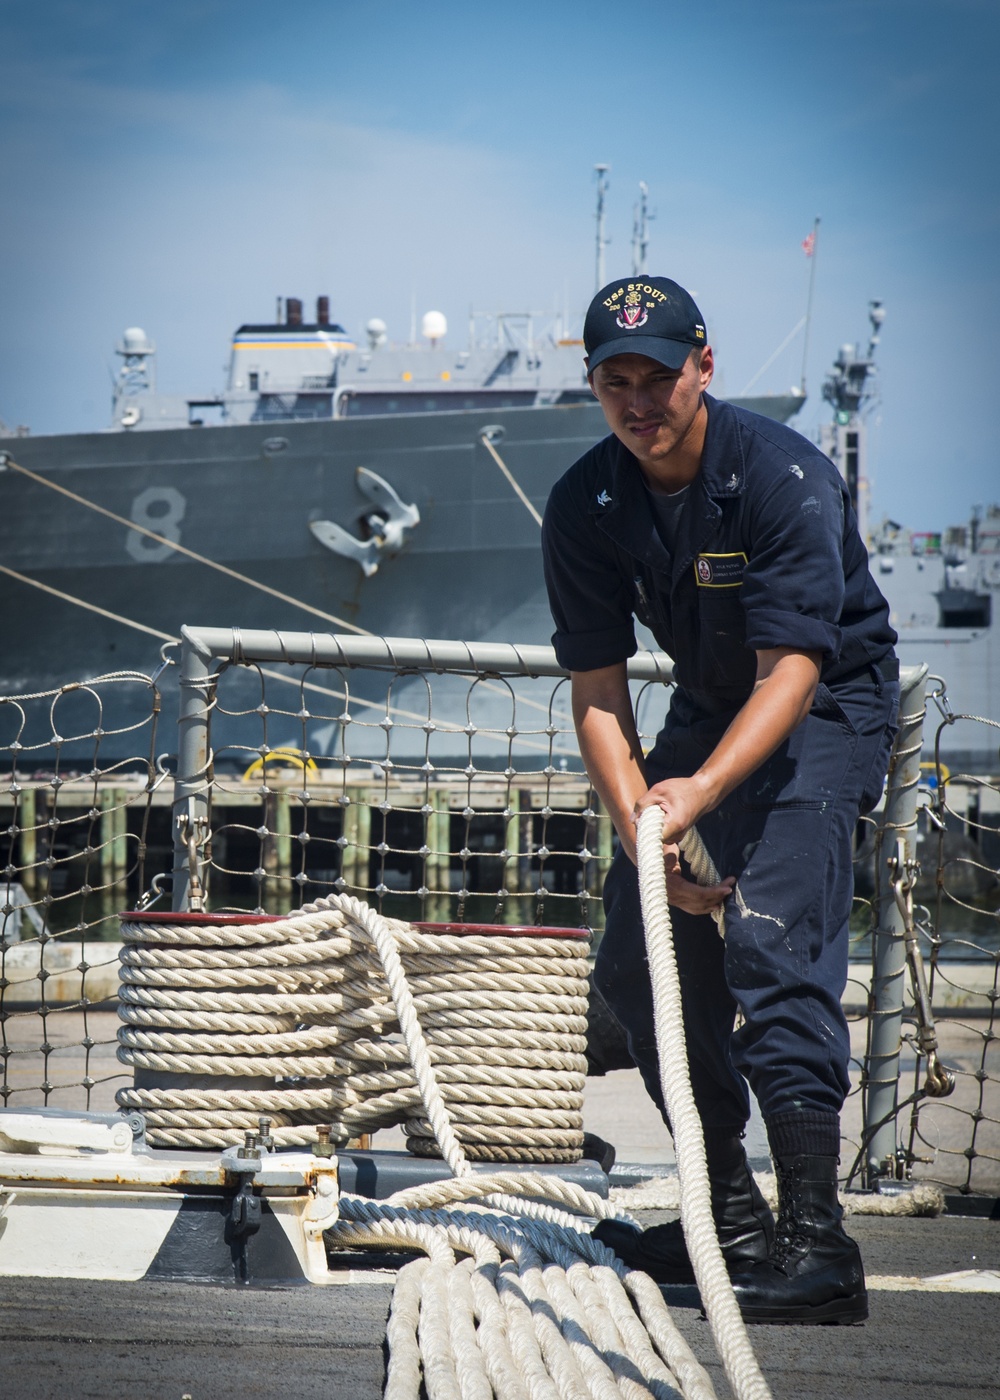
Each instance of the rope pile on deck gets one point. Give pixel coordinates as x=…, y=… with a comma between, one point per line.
x=536, y=1309
x=539, y=1308
x=294, y=1019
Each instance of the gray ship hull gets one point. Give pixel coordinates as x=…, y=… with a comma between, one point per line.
x=244, y=497
x=966, y=659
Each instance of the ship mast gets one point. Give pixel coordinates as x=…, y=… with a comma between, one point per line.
x=811, y=245
x=640, y=231
x=602, y=241
x=851, y=388
x=135, y=377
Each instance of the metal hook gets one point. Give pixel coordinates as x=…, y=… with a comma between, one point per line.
x=903, y=870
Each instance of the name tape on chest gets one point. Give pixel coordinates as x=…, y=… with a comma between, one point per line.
x=719, y=570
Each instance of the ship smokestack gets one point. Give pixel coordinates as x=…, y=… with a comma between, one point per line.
x=293, y=311
x=322, y=311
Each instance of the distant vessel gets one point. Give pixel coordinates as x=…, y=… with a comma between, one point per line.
x=392, y=489
x=941, y=586
x=943, y=589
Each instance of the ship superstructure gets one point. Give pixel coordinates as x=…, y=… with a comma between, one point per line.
x=942, y=586
x=292, y=370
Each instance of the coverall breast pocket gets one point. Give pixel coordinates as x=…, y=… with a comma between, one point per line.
x=723, y=630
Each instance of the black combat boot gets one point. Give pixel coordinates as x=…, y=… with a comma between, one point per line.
x=813, y=1272
x=744, y=1223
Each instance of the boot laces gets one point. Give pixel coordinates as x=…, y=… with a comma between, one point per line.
x=791, y=1238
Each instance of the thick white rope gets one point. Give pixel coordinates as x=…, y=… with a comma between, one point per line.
x=539, y=1310
x=540, y=1292
x=695, y=852
x=689, y=1143
x=663, y=1193
x=298, y=1019
x=575, y=1319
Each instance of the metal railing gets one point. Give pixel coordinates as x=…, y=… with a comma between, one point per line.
x=442, y=781
x=432, y=777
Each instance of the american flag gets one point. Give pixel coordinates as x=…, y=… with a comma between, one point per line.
x=809, y=244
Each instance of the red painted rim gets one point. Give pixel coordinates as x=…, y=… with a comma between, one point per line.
x=166, y=916
x=505, y=930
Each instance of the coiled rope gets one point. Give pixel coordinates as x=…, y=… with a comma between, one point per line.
x=537, y=1309
x=309, y=1019
x=547, y=1311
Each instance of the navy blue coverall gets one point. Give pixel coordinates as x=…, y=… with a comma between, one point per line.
x=767, y=554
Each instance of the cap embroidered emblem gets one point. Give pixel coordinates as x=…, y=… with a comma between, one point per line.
x=604, y=499
x=632, y=315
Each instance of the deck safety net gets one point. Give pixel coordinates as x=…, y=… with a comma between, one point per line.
x=452, y=791
x=954, y=1137
x=78, y=777
x=435, y=796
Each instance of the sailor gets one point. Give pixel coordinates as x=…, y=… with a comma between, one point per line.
x=733, y=539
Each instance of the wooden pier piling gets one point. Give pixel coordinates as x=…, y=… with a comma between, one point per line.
x=25, y=814
x=357, y=834
x=113, y=835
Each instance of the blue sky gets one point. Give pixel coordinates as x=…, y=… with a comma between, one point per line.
x=179, y=165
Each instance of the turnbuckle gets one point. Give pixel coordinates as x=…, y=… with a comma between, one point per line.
x=194, y=832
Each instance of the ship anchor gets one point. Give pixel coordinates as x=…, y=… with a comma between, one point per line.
x=388, y=524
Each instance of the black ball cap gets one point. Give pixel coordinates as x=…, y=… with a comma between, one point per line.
x=643, y=316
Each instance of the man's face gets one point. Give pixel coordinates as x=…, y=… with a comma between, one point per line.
x=652, y=409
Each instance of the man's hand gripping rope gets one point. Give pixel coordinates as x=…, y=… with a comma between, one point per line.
x=682, y=803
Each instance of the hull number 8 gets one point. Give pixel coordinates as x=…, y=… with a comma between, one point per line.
x=159, y=508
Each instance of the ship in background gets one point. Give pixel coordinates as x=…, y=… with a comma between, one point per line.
x=389, y=489
x=942, y=586
x=379, y=488
x=368, y=481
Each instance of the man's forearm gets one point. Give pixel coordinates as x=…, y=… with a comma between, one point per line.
x=609, y=744
x=780, y=701
x=778, y=704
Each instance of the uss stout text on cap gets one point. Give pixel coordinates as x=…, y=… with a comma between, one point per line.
x=650, y=316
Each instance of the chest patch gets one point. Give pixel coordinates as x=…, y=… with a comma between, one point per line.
x=719, y=570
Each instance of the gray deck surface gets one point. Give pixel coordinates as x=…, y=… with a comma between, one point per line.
x=72, y=1340
x=82, y=1340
